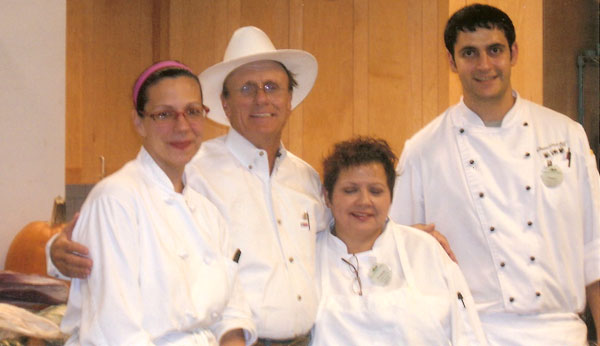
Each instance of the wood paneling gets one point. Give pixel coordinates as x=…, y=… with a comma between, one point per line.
x=293, y=138
x=395, y=69
x=527, y=75
x=328, y=110
x=383, y=69
x=108, y=44
x=570, y=28
x=360, y=61
x=196, y=37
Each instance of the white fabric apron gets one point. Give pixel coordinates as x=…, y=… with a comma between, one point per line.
x=549, y=329
x=400, y=317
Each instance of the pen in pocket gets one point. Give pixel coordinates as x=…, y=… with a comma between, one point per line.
x=236, y=256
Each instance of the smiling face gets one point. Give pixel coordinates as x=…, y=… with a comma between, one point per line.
x=483, y=61
x=171, y=144
x=261, y=115
x=359, y=203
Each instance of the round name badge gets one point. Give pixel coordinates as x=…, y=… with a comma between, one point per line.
x=552, y=176
x=380, y=274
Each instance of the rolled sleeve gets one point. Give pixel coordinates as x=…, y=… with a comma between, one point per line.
x=236, y=315
x=51, y=269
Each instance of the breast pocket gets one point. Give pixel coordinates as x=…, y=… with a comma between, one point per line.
x=303, y=219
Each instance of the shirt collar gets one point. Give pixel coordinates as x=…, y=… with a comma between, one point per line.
x=245, y=151
x=340, y=249
x=158, y=178
x=465, y=117
x=153, y=172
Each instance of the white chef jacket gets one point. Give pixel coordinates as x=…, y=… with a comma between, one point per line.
x=419, y=306
x=163, y=270
x=527, y=249
x=273, y=219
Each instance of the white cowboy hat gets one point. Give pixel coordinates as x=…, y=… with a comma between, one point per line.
x=249, y=44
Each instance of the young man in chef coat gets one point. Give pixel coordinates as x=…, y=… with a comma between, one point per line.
x=514, y=188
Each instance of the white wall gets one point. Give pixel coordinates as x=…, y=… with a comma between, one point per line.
x=32, y=112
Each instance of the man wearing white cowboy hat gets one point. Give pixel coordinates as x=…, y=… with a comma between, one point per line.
x=270, y=198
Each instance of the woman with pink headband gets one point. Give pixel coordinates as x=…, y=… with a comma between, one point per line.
x=164, y=273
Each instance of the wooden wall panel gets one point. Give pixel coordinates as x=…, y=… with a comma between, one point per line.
x=395, y=70
x=160, y=29
x=73, y=98
x=293, y=137
x=360, y=66
x=443, y=67
x=272, y=16
x=328, y=111
x=570, y=27
x=527, y=75
x=454, y=90
x=382, y=66
x=196, y=34
x=432, y=54
x=108, y=44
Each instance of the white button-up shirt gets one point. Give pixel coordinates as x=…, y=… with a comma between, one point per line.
x=273, y=219
x=525, y=247
x=163, y=272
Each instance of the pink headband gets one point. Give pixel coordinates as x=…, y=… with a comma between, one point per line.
x=150, y=70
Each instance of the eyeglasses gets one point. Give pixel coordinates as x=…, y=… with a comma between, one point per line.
x=169, y=116
x=357, y=284
x=250, y=90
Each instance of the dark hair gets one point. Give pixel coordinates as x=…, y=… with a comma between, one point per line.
x=169, y=72
x=292, y=83
x=475, y=16
x=356, y=152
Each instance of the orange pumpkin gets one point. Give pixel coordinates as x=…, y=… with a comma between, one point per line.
x=26, y=253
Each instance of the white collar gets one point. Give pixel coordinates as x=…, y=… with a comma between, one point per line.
x=246, y=152
x=152, y=171
x=466, y=118
x=340, y=249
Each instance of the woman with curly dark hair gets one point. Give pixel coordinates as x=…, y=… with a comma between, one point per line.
x=382, y=283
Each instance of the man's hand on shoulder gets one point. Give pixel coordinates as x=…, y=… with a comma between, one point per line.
x=69, y=257
x=430, y=228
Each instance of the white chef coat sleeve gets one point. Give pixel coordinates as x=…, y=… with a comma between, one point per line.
x=324, y=216
x=407, y=205
x=51, y=269
x=591, y=205
x=466, y=326
x=111, y=301
x=237, y=314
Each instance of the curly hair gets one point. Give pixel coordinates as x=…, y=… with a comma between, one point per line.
x=356, y=152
